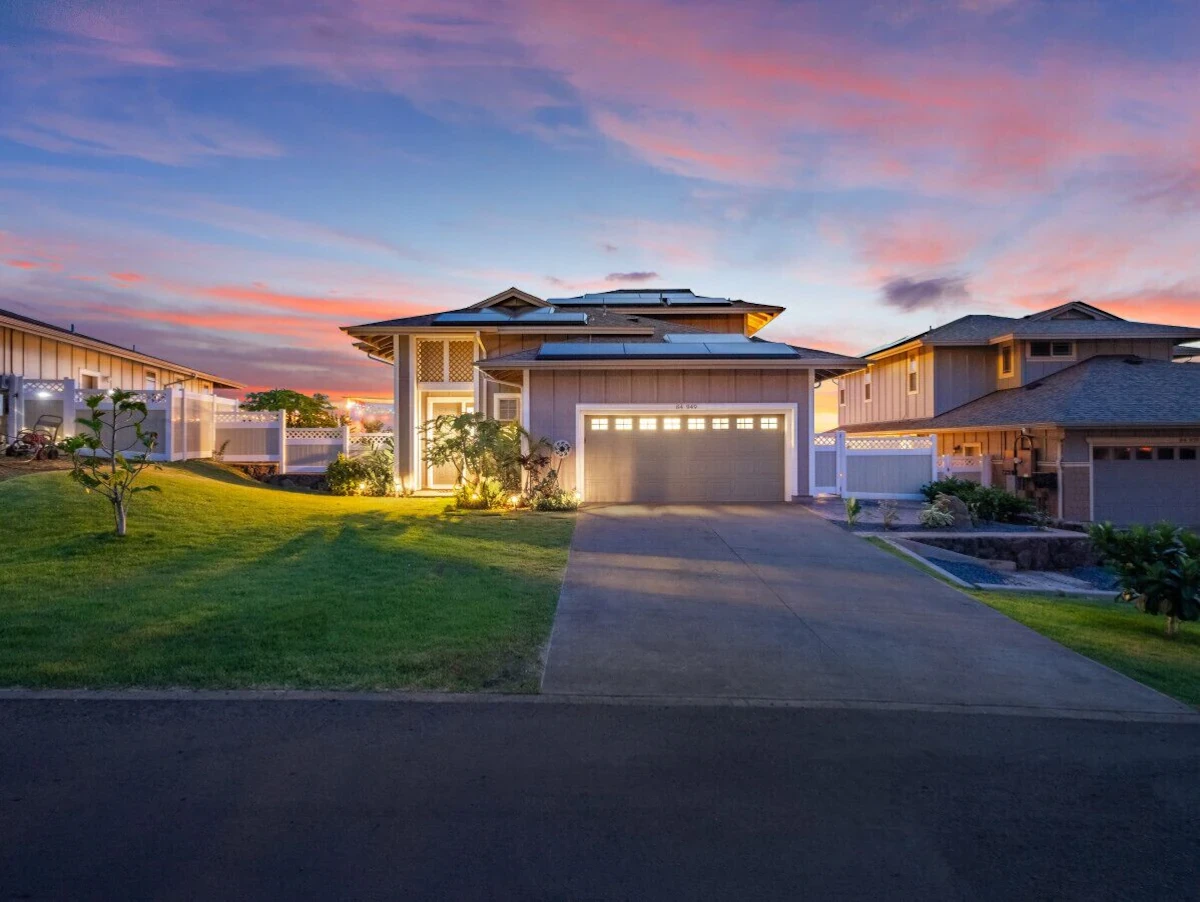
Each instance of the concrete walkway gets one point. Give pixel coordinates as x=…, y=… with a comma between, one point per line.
x=772, y=602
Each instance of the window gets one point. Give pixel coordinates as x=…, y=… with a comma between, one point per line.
x=745, y=422
x=599, y=424
x=1187, y=453
x=914, y=382
x=89, y=379
x=1122, y=453
x=1099, y=453
x=841, y=396
x=1164, y=453
x=972, y=449
x=623, y=424
x=1047, y=350
x=696, y=423
x=151, y=380
x=648, y=424
x=1006, y=360
x=670, y=423
x=867, y=386
x=507, y=408
x=720, y=423
x=769, y=422
x=1144, y=454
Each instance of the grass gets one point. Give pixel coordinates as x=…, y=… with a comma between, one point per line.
x=223, y=582
x=1114, y=633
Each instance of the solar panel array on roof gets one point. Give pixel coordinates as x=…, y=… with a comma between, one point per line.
x=675, y=297
x=553, y=316
x=692, y=300
x=471, y=318
x=567, y=350
x=609, y=300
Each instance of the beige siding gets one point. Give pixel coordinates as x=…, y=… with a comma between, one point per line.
x=38, y=357
x=962, y=375
x=722, y=322
x=890, y=398
x=554, y=395
x=1154, y=349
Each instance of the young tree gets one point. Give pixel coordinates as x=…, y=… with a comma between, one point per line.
x=302, y=410
x=107, y=469
x=477, y=446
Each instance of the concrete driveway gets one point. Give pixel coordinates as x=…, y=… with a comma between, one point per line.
x=772, y=602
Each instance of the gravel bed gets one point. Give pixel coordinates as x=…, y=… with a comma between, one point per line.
x=972, y=573
x=1098, y=577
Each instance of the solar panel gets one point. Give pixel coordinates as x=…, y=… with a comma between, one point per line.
x=654, y=349
x=691, y=300
x=471, y=318
x=705, y=337
x=579, y=349
x=691, y=350
x=598, y=299
x=754, y=349
x=553, y=316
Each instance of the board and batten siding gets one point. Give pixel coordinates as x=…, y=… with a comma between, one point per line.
x=963, y=374
x=34, y=356
x=554, y=394
x=1152, y=349
x=890, y=398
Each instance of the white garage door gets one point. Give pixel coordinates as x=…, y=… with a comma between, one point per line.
x=698, y=458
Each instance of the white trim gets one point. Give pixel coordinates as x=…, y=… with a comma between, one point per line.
x=789, y=411
x=418, y=475
x=102, y=381
x=397, y=466
x=525, y=400
x=812, y=434
x=912, y=367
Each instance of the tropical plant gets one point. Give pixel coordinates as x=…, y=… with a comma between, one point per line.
x=545, y=493
x=1157, y=568
x=106, y=468
x=483, y=494
x=315, y=411
x=372, y=426
x=853, y=510
x=367, y=474
x=889, y=513
x=478, y=448
x=935, y=516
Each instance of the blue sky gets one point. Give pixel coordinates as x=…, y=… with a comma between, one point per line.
x=226, y=183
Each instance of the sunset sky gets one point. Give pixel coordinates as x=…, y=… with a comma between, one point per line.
x=224, y=182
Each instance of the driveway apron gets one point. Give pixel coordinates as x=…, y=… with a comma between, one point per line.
x=772, y=602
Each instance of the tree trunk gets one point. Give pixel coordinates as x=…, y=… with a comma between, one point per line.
x=119, y=511
x=1172, y=626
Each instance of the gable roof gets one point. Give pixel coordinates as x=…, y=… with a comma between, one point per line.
x=984, y=329
x=37, y=326
x=1118, y=390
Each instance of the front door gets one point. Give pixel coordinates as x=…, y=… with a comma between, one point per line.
x=446, y=475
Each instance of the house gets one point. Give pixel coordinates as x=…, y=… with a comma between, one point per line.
x=38, y=360
x=664, y=395
x=1085, y=411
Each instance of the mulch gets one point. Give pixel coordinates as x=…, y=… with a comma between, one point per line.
x=11, y=467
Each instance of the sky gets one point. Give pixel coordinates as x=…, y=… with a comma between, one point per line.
x=225, y=183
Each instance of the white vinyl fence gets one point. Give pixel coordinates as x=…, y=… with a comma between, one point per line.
x=874, y=466
x=263, y=436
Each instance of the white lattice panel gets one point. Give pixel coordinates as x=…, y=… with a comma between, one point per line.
x=246, y=416
x=42, y=385
x=370, y=441
x=890, y=443
x=303, y=433
x=431, y=361
x=824, y=441
x=462, y=361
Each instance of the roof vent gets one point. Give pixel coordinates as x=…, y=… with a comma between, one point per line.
x=1133, y=360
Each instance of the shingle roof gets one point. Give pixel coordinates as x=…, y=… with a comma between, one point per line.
x=983, y=328
x=1111, y=391
x=597, y=319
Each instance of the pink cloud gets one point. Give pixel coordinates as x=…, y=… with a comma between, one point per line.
x=21, y=264
x=127, y=277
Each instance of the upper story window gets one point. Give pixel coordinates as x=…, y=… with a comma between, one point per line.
x=445, y=360
x=151, y=380
x=1006, y=360
x=914, y=376
x=1051, y=350
x=841, y=396
x=867, y=386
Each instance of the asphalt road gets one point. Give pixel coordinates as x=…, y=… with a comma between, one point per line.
x=520, y=800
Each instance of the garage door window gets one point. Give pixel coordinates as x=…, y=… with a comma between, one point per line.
x=720, y=422
x=1144, y=452
x=648, y=424
x=670, y=423
x=600, y=424
x=695, y=423
x=1187, y=453
x=745, y=422
x=769, y=422
x=623, y=424
x=1165, y=454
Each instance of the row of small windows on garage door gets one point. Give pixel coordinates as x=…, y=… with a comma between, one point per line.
x=1143, y=452
x=669, y=424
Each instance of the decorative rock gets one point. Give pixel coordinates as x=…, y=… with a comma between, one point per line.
x=957, y=508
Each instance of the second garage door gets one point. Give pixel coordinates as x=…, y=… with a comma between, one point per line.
x=655, y=458
x=1146, y=484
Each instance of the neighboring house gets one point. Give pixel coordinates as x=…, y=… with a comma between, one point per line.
x=664, y=395
x=34, y=351
x=1085, y=411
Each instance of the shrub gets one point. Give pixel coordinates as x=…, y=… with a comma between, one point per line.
x=483, y=495
x=853, y=510
x=557, y=500
x=1158, y=568
x=369, y=474
x=984, y=502
x=935, y=516
x=889, y=513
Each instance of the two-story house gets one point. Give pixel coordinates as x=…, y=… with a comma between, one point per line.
x=1085, y=411
x=664, y=395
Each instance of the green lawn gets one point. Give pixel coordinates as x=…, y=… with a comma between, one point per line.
x=223, y=582
x=1113, y=633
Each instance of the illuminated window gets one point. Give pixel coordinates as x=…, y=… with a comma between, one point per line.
x=623, y=424
x=1006, y=361
x=769, y=422
x=745, y=422
x=913, y=379
x=599, y=424
x=649, y=424
x=720, y=422
x=695, y=423
x=867, y=386
x=670, y=423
